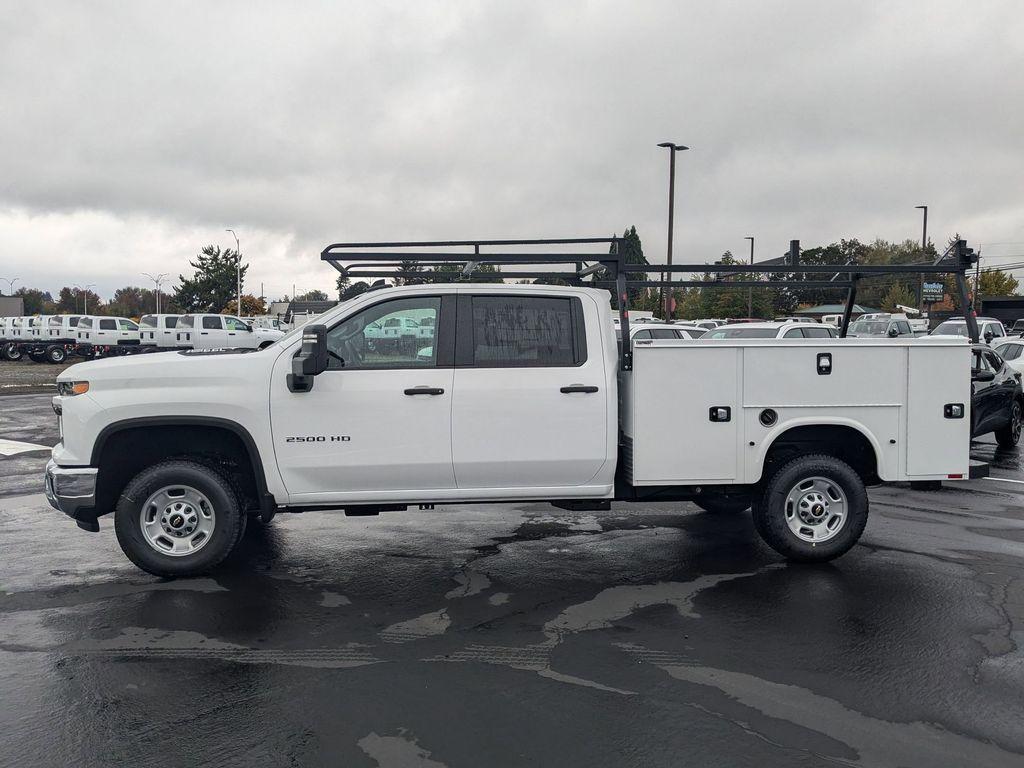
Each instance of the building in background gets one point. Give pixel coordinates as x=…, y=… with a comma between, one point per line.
x=12, y=306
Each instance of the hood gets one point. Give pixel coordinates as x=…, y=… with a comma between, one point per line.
x=168, y=370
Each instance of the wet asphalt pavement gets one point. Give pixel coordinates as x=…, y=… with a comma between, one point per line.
x=517, y=635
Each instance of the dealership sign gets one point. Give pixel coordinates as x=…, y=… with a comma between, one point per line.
x=933, y=292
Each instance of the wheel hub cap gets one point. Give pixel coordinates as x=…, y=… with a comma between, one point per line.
x=177, y=520
x=816, y=509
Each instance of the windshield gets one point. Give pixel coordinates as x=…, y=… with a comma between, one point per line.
x=740, y=333
x=950, y=329
x=870, y=327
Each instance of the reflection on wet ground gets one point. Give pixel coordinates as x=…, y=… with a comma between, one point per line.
x=518, y=634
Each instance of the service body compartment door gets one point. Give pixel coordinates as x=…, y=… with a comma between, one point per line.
x=677, y=436
x=937, y=444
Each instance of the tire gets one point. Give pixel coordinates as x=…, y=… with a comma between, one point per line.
x=182, y=500
x=12, y=352
x=813, y=509
x=723, y=504
x=56, y=354
x=37, y=357
x=1009, y=436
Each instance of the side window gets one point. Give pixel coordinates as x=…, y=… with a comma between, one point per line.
x=995, y=362
x=794, y=333
x=73, y=322
x=664, y=333
x=127, y=325
x=1010, y=351
x=817, y=333
x=997, y=330
x=211, y=323
x=981, y=363
x=170, y=322
x=234, y=324
x=527, y=332
x=644, y=334
x=372, y=338
x=903, y=326
x=108, y=325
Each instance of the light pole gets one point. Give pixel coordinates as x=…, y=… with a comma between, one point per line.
x=85, y=297
x=238, y=267
x=10, y=282
x=158, y=281
x=750, y=291
x=666, y=300
x=924, y=244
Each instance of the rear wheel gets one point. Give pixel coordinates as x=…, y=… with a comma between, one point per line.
x=813, y=509
x=37, y=357
x=178, y=518
x=1009, y=436
x=56, y=354
x=11, y=352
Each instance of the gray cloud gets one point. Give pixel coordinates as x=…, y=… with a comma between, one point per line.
x=133, y=133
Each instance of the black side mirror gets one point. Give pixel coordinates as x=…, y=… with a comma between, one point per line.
x=989, y=336
x=982, y=375
x=311, y=360
x=893, y=333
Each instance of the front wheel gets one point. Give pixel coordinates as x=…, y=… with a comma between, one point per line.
x=56, y=354
x=813, y=509
x=178, y=518
x=1009, y=436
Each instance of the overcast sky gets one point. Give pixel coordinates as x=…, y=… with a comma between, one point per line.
x=133, y=133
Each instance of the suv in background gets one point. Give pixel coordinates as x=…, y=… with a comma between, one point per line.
x=881, y=326
x=1018, y=328
x=989, y=329
x=774, y=330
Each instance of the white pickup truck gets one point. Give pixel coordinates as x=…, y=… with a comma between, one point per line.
x=521, y=397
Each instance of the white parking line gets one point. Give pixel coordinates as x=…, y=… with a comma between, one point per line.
x=13, y=447
x=1005, y=480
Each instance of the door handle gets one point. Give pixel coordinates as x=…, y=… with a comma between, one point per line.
x=578, y=388
x=424, y=391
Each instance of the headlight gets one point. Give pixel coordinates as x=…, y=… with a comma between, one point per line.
x=71, y=388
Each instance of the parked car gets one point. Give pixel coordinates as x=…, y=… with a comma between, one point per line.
x=207, y=331
x=795, y=319
x=99, y=336
x=881, y=326
x=989, y=329
x=158, y=332
x=997, y=403
x=772, y=330
x=1011, y=349
x=1018, y=328
x=655, y=330
x=53, y=341
x=525, y=396
x=707, y=323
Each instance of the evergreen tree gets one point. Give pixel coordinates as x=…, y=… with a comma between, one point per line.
x=214, y=283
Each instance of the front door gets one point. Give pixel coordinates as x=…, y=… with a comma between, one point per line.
x=379, y=419
x=531, y=401
x=985, y=397
x=239, y=335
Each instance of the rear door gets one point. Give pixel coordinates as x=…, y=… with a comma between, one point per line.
x=530, y=407
x=210, y=334
x=105, y=332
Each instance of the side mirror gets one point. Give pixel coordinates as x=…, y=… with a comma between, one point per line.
x=248, y=328
x=893, y=333
x=311, y=360
x=982, y=375
x=989, y=336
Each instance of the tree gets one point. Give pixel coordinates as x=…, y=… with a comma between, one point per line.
x=132, y=301
x=897, y=294
x=408, y=273
x=633, y=253
x=36, y=302
x=315, y=295
x=214, y=283
x=252, y=306
x=340, y=285
x=484, y=273
x=996, y=283
x=354, y=290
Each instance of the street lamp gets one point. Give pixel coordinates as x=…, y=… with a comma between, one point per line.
x=673, y=148
x=10, y=282
x=238, y=267
x=750, y=291
x=924, y=244
x=158, y=281
x=85, y=297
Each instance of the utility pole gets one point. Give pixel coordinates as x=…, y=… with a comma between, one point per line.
x=666, y=300
x=158, y=280
x=238, y=267
x=924, y=245
x=750, y=291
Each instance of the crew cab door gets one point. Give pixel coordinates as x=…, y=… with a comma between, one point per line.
x=238, y=334
x=531, y=400
x=209, y=333
x=378, y=420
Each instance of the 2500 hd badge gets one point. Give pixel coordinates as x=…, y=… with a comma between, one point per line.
x=319, y=439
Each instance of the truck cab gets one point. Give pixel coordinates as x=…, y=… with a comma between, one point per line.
x=53, y=338
x=158, y=332
x=101, y=336
x=209, y=331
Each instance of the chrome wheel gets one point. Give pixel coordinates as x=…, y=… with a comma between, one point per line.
x=816, y=509
x=177, y=520
x=1015, y=423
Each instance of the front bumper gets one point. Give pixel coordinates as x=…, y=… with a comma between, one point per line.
x=72, y=490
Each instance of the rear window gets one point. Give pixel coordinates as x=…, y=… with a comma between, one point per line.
x=870, y=327
x=148, y=321
x=108, y=325
x=527, y=331
x=740, y=333
x=951, y=329
x=170, y=322
x=187, y=321
x=211, y=322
